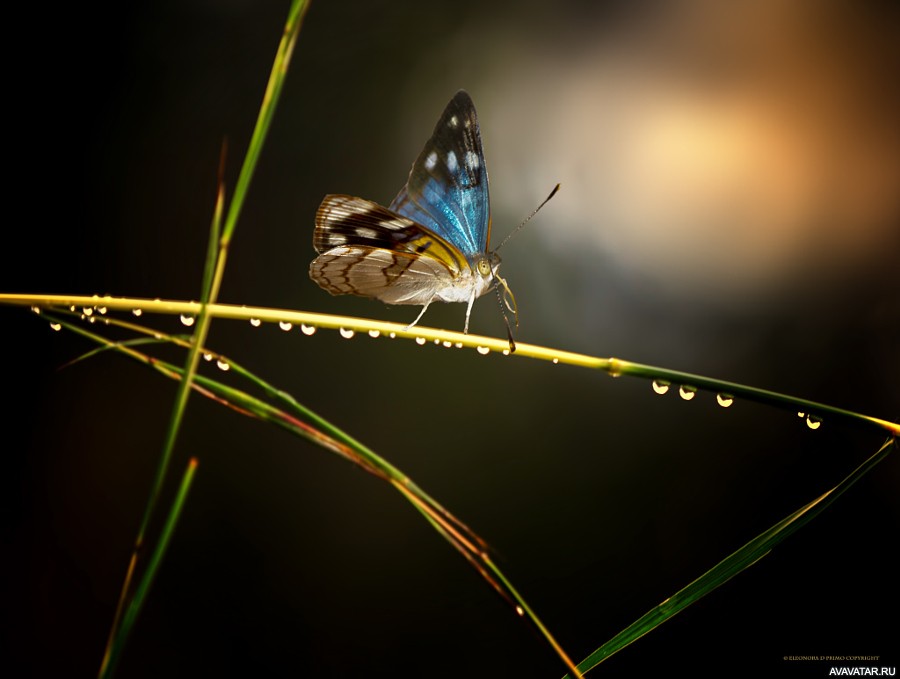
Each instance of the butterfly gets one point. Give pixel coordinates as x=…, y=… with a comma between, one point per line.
x=431, y=243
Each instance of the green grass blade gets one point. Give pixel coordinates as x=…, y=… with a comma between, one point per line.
x=613, y=366
x=266, y=112
x=118, y=632
x=143, y=587
x=212, y=279
x=309, y=425
x=740, y=560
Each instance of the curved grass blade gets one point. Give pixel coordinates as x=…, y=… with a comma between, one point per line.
x=613, y=366
x=136, y=602
x=312, y=427
x=737, y=562
x=212, y=278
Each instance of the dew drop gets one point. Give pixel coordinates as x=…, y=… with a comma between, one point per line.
x=520, y=611
x=393, y=335
x=505, y=352
x=285, y=325
x=55, y=326
x=347, y=333
x=801, y=414
x=724, y=400
x=615, y=370
x=448, y=343
x=187, y=320
x=374, y=333
x=255, y=322
x=223, y=364
x=92, y=319
x=101, y=310
x=661, y=386
x=686, y=392
x=555, y=361
x=207, y=356
x=137, y=312
x=813, y=422
x=307, y=329
x=36, y=309
x=458, y=345
x=484, y=351
x=72, y=308
x=437, y=342
x=87, y=311
x=420, y=341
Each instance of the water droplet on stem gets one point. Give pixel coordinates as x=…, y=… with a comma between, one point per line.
x=661, y=386
x=687, y=392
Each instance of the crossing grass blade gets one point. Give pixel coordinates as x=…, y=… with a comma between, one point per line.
x=731, y=566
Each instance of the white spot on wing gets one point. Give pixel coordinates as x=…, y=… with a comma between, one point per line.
x=454, y=122
x=396, y=224
x=452, y=163
x=366, y=232
x=335, y=239
x=472, y=160
x=431, y=160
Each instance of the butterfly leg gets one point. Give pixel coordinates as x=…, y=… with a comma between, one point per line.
x=469, y=311
x=419, y=317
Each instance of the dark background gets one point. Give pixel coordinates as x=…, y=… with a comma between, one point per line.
x=729, y=208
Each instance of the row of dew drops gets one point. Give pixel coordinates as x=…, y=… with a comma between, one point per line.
x=660, y=387
x=688, y=392
x=90, y=313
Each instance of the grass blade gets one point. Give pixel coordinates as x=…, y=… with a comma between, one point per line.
x=740, y=560
x=613, y=366
x=130, y=614
x=312, y=427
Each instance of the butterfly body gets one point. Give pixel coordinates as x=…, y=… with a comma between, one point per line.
x=431, y=244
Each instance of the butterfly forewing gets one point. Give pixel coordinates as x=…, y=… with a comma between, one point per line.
x=447, y=189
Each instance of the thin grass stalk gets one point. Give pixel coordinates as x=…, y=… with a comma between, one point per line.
x=136, y=602
x=736, y=563
x=613, y=366
x=213, y=273
x=118, y=634
x=472, y=547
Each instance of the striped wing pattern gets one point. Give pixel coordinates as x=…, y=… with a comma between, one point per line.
x=368, y=250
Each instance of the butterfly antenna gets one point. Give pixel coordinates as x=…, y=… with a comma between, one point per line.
x=527, y=219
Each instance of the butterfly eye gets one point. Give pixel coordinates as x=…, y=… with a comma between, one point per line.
x=484, y=267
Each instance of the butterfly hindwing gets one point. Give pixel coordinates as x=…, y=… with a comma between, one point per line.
x=368, y=250
x=447, y=189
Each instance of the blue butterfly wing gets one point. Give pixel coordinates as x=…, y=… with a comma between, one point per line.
x=447, y=189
